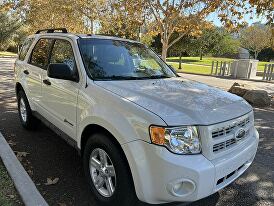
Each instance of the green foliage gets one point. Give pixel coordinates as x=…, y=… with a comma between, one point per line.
x=266, y=54
x=9, y=25
x=147, y=39
x=226, y=46
x=215, y=41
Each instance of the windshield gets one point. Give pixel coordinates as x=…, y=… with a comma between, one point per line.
x=106, y=59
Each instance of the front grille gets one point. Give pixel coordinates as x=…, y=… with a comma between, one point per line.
x=228, y=143
x=223, y=179
x=223, y=145
x=228, y=129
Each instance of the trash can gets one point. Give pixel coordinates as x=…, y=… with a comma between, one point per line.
x=244, y=68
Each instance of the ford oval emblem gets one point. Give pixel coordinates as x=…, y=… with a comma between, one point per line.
x=240, y=134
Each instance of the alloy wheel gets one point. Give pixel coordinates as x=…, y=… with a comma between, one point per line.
x=102, y=172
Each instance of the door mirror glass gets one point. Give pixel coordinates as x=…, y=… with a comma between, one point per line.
x=61, y=71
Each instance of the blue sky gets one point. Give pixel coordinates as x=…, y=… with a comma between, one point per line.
x=261, y=19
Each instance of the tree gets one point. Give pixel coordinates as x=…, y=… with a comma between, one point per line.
x=227, y=46
x=256, y=38
x=188, y=17
x=50, y=14
x=90, y=11
x=122, y=18
x=215, y=40
x=264, y=7
x=207, y=41
x=8, y=27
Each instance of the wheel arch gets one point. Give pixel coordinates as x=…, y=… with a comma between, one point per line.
x=95, y=128
x=18, y=87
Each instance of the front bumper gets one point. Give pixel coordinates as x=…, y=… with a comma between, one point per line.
x=161, y=176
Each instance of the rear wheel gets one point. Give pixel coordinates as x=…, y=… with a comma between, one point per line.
x=107, y=172
x=27, y=120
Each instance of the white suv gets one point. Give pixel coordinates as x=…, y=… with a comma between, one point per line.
x=143, y=132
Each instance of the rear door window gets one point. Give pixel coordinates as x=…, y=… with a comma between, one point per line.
x=25, y=47
x=40, y=53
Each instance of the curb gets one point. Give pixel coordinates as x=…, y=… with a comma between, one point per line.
x=22, y=181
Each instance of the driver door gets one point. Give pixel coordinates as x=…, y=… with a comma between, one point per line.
x=59, y=97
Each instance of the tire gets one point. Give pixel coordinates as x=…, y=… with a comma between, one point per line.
x=124, y=192
x=27, y=120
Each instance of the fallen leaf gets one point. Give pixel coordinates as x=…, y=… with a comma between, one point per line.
x=30, y=172
x=11, y=196
x=11, y=143
x=62, y=204
x=52, y=181
x=21, y=154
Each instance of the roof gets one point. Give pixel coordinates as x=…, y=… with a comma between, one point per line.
x=84, y=36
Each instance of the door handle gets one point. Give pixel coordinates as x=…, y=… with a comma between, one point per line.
x=47, y=82
x=26, y=72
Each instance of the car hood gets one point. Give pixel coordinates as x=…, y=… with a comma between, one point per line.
x=180, y=101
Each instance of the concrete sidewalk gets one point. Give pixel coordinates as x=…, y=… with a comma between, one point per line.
x=226, y=83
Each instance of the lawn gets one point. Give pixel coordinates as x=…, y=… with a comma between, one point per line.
x=4, y=53
x=8, y=194
x=199, y=69
x=195, y=65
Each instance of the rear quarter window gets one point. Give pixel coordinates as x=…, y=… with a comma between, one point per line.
x=25, y=47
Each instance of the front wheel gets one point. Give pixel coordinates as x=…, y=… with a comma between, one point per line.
x=107, y=172
x=27, y=120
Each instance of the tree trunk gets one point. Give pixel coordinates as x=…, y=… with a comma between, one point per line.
x=255, y=54
x=91, y=27
x=180, y=61
x=201, y=54
x=164, y=51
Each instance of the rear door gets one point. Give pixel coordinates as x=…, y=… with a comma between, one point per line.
x=60, y=96
x=38, y=62
x=21, y=67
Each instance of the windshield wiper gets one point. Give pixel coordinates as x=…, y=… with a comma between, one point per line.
x=158, y=77
x=114, y=77
x=117, y=77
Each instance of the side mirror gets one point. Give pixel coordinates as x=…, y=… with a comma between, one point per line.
x=61, y=71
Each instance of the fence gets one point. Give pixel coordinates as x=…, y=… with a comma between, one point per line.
x=268, y=72
x=221, y=69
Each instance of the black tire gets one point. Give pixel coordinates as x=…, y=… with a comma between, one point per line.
x=124, y=193
x=30, y=122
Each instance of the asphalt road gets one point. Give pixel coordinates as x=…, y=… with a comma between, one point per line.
x=48, y=156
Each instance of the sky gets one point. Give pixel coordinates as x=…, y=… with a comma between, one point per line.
x=261, y=19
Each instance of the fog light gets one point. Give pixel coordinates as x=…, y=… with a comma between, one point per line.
x=181, y=187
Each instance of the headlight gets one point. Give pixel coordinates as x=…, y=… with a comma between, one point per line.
x=180, y=140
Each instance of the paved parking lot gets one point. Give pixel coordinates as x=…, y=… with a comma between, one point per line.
x=49, y=156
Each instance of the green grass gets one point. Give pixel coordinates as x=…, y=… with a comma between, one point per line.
x=198, y=69
x=4, y=53
x=8, y=194
x=206, y=61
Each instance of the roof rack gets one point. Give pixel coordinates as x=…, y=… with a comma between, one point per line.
x=63, y=30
